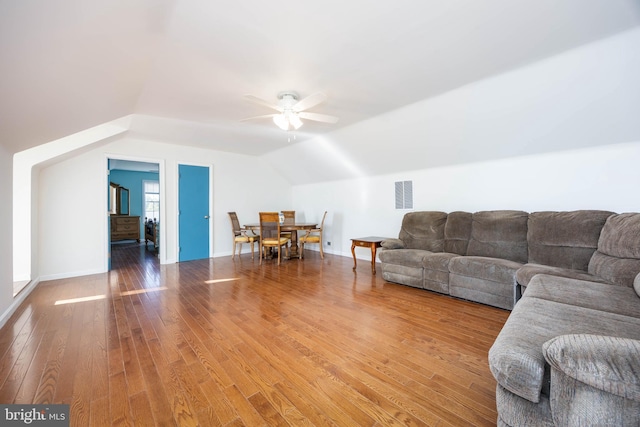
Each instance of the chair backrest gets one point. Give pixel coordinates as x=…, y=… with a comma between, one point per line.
x=289, y=217
x=235, y=224
x=269, y=225
x=322, y=222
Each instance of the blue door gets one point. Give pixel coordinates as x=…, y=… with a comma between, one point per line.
x=193, y=207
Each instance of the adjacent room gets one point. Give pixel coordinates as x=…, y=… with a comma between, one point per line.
x=224, y=213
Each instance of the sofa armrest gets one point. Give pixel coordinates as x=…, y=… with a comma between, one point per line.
x=392, y=244
x=609, y=364
x=595, y=379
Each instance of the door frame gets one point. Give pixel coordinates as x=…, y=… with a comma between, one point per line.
x=211, y=216
x=163, y=201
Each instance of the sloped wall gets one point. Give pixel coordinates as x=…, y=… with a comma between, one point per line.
x=582, y=98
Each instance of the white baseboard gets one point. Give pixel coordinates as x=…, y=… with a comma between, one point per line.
x=72, y=274
x=22, y=295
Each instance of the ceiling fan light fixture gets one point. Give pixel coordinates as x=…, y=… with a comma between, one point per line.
x=281, y=121
x=292, y=110
x=295, y=121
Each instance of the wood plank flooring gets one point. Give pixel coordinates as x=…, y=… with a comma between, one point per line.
x=230, y=343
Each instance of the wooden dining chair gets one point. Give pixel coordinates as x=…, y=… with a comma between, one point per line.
x=241, y=235
x=270, y=236
x=313, y=238
x=289, y=218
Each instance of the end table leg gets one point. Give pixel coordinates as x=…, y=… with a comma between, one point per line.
x=353, y=252
x=373, y=258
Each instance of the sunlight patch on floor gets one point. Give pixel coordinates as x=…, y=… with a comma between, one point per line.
x=99, y=297
x=143, y=291
x=81, y=299
x=212, y=281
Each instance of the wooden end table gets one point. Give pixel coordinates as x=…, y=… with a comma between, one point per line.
x=371, y=242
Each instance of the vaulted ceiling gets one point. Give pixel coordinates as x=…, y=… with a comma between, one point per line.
x=183, y=66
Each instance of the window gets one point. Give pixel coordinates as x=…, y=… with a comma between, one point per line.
x=404, y=195
x=151, y=191
x=113, y=196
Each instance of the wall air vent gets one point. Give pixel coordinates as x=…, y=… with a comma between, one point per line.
x=404, y=195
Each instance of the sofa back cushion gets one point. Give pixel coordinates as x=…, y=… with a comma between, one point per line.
x=457, y=232
x=499, y=234
x=617, y=259
x=423, y=230
x=564, y=239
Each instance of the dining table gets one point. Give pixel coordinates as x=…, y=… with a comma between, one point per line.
x=289, y=227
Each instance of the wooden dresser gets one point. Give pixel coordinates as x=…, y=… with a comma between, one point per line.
x=125, y=227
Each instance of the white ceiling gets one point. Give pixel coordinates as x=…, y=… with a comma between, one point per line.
x=183, y=66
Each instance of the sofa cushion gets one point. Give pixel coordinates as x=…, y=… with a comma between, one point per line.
x=457, y=232
x=494, y=269
x=438, y=261
x=620, y=236
x=406, y=257
x=526, y=273
x=636, y=284
x=619, y=271
x=516, y=359
x=588, y=294
x=564, y=239
x=617, y=259
x=423, y=230
x=499, y=234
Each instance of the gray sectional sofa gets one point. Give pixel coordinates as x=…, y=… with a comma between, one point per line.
x=569, y=353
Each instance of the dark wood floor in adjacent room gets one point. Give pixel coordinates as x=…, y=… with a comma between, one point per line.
x=222, y=342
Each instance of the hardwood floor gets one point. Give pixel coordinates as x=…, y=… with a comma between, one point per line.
x=222, y=342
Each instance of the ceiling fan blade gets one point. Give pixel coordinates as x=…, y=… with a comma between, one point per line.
x=262, y=102
x=309, y=102
x=318, y=117
x=266, y=116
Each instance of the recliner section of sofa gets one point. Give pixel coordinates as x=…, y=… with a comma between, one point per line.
x=497, y=249
x=562, y=244
x=422, y=234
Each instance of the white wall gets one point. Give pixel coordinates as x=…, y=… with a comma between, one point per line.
x=603, y=177
x=73, y=193
x=6, y=220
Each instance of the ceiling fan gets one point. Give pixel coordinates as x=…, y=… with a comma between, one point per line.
x=291, y=110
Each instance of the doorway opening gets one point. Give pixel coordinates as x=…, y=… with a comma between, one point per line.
x=133, y=194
